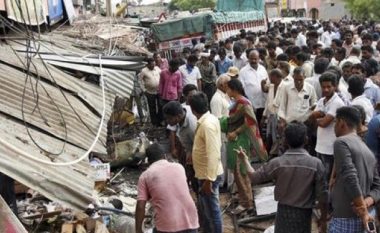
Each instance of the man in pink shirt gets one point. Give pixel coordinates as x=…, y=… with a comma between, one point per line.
x=170, y=85
x=164, y=185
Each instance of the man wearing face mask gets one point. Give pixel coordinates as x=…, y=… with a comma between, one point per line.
x=251, y=77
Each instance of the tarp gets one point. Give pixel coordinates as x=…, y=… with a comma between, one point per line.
x=184, y=27
x=201, y=24
x=240, y=5
x=236, y=17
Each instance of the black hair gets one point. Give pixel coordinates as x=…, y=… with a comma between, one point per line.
x=199, y=103
x=250, y=38
x=361, y=110
x=347, y=64
x=301, y=56
x=149, y=60
x=306, y=50
x=248, y=51
x=228, y=40
x=350, y=115
x=271, y=45
x=238, y=47
x=202, y=39
x=262, y=51
x=186, y=50
x=294, y=31
x=371, y=67
x=335, y=70
x=192, y=58
x=174, y=63
x=295, y=134
x=294, y=50
x=173, y=108
x=327, y=52
x=355, y=85
x=367, y=48
x=348, y=32
x=328, y=77
x=236, y=85
x=367, y=36
x=320, y=65
x=359, y=66
x=341, y=50
x=155, y=54
x=283, y=57
x=338, y=42
x=189, y=88
x=356, y=51
x=154, y=153
x=316, y=45
x=194, y=41
x=222, y=51
x=285, y=65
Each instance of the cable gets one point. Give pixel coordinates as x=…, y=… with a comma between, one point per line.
x=19, y=151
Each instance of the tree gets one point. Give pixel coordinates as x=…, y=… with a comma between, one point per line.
x=364, y=9
x=188, y=5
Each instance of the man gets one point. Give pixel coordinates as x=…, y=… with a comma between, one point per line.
x=373, y=138
x=271, y=59
x=371, y=90
x=298, y=171
x=367, y=52
x=164, y=185
x=223, y=63
x=300, y=40
x=357, y=183
x=354, y=57
x=327, y=36
x=238, y=61
x=170, y=85
x=339, y=56
x=162, y=63
x=343, y=82
x=182, y=123
x=219, y=106
x=251, y=77
x=348, y=43
x=324, y=115
x=207, y=162
x=208, y=73
x=320, y=67
x=228, y=48
x=302, y=60
x=149, y=79
x=298, y=100
x=356, y=89
x=220, y=101
x=190, y=73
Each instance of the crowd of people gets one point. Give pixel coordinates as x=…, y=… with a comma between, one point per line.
x=301, y=100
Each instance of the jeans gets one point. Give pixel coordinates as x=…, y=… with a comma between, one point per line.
x=210, y=208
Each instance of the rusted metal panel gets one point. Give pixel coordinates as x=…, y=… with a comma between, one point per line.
x=70, y=185
x=8, y=221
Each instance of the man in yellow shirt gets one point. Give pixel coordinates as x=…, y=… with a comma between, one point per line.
x=207, y=162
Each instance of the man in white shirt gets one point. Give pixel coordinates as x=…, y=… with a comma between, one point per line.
x=354, y=57
x=356, y=88
x=298, y=100
x=320, y=67
x=324, y=116
x=327, y=36
x=219, y=105
x=238, y=60
x=343, y=82
x=190, y=72
x=251, y=76
x=149, y=79
x=300, y=40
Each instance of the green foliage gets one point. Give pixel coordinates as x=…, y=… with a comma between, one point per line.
x=188, y=5
x=364, y=9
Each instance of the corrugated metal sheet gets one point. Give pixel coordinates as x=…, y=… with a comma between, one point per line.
x=35, y=9
x=48, y=117
x=8, y=221
x=70, y=185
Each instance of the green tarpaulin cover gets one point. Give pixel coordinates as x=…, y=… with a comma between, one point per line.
x=240, y=5
x=236, y=17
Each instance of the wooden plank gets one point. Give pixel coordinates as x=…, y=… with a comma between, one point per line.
x=67, y=228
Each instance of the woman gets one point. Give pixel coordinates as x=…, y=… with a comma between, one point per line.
x=242, y=131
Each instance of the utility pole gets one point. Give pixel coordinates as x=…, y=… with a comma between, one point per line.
x=97, y=6
x=108, y=8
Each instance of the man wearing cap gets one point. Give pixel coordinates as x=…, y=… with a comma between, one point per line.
x=208, y=74
x=233, y=72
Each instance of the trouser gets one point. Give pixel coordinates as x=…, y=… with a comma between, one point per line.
x=328, y=162
x=154, y=109
x=243, y=184
x=228, y=177
x=292, y=219
x=184, y=231
x=259, y=115
x=210, y=208
x=209, y=89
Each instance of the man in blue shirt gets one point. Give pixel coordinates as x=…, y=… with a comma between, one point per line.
x=223, y=63
x=372, y=138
